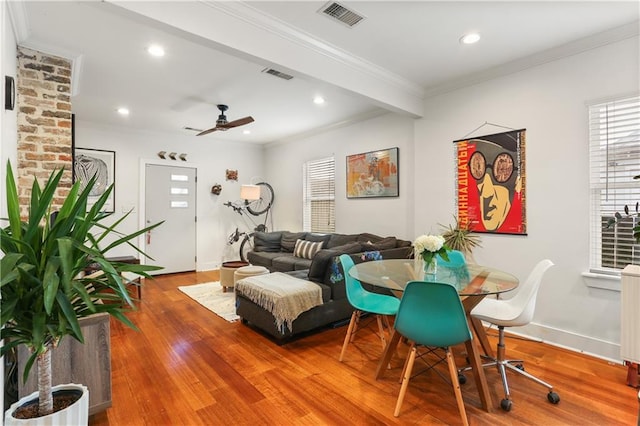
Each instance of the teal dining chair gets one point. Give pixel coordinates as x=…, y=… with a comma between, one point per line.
x=456, y=259
x=365, y=302
x=431, y=317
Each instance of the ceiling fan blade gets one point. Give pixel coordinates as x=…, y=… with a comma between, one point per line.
x=236, y=123
x=206, y=132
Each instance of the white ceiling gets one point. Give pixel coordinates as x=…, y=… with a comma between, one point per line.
x=215, y=52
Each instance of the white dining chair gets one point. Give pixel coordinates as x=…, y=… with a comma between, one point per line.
x=514, y=312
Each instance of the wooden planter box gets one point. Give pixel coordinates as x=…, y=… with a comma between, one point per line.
x=74, y=362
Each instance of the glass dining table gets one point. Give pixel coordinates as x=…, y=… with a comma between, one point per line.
x=473, y=282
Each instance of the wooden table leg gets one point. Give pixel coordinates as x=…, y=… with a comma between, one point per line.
x=478, y=328
x=632, y=374
x=474, y=354
x=388, y=352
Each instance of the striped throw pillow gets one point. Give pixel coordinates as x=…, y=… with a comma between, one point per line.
x=306, y=249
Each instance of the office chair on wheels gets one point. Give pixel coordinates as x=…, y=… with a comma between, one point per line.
x=514, y=312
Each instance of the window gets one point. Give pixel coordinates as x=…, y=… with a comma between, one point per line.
x=614, y=135
x=319, y=193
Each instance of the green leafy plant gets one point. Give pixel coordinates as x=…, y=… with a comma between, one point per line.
x=459, y=237
x=627, y=213
x=44, y=289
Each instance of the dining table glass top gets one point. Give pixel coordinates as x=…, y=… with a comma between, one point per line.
x=469, y=279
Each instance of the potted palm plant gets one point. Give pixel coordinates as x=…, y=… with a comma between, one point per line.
x=44, y=289
x=460, y=237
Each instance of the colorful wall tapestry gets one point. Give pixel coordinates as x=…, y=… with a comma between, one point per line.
x=373, y=174
x=490, y=182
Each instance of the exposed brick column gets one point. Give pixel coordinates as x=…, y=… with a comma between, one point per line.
x=44, y=122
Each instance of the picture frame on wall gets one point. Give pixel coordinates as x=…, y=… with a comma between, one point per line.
x=491, y=183
x=100, y=163
x=373, y=174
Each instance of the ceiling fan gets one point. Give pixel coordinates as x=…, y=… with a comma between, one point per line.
x=222, y=124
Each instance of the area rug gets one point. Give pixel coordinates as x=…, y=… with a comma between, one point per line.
x=211, y=296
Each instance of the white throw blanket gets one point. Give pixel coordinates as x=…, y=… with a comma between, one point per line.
x=286, y=297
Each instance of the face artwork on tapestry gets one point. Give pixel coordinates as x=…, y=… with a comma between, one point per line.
x=490, y=183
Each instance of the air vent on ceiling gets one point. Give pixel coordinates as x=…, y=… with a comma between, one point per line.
x=340, y=13
x=277, y=73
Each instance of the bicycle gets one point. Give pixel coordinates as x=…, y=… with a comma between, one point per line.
x=246, y=209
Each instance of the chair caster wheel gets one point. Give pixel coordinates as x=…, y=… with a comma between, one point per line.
x=553, y=397
x=505, y=404
x=462, y=379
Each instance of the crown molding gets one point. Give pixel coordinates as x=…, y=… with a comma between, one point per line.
x=19, y=20
x=368, y=115
x=260, y=19
x=571, y=48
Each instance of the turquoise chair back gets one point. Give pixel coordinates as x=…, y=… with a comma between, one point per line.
x=362, y=299
x=355, y=292
x=456, y=259
x=431, y=314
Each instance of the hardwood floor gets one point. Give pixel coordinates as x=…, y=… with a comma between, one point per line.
x=187, y=366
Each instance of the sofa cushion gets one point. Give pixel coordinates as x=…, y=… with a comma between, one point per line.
x=290, y=263
x=341, y=239
x=324, y=238
x=288, y=240
x=262, y=258
x=267, y=241
x=383, y=244
x=307, y=249
x=321, y=261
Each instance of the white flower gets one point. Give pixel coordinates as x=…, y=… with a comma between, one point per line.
x=432, y=243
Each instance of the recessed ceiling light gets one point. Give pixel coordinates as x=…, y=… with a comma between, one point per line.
x=246, y=132
x=470, y=38
x=156, y=50
x=123, y=111
x=318, y=100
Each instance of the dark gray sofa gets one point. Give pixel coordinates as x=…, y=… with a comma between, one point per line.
x=274, y=250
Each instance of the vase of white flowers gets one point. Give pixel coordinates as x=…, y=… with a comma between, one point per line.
x=428, y=247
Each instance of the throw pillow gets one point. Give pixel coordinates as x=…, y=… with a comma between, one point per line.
x=288, y=241
x=306, y=249
x=324, y=238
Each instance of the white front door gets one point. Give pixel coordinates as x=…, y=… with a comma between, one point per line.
x=170, y=196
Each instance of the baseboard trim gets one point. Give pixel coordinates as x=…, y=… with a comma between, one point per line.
x=608, y=351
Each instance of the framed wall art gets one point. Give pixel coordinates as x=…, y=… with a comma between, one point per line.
x=373, y=174
x=490, y=183
x=100, y=163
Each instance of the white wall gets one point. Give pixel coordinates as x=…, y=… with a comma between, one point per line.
x=210, y=157
x=8, y=124
x=381, y=216
x=550, y=102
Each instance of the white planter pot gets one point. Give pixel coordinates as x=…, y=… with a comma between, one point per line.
x=74, y=415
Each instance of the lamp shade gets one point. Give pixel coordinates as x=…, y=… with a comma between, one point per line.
x=250, y=192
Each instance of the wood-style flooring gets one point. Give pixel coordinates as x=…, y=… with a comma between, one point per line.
x=187, y=366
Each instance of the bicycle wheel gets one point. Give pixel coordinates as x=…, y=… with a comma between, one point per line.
x=260, y=206
x=246, y=246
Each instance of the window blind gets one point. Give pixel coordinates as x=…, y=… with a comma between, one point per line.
x=319, y=190
x=614, y=139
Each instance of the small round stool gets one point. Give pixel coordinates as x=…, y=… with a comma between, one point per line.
x=226, y=273
x=248, y=271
